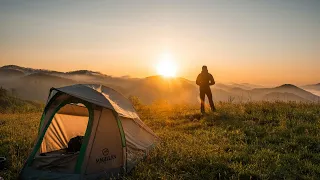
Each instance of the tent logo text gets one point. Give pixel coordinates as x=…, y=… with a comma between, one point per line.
x=107, y=157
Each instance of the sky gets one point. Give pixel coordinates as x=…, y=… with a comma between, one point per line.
x=261, y=42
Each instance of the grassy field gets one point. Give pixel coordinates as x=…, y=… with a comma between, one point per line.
x=240, y=141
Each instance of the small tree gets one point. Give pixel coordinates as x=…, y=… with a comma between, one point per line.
x=135, y=101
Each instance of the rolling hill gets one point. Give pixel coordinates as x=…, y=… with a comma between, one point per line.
x=27, y=71
x=12, y=104
x=245, y=86
x=313, y=88
x=35, y=86
x=6, y=73
x=175, y=90
x=259, y=93
x=285, y=97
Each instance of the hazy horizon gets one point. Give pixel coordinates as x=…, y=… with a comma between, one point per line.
x=258, y=42
x=133, y=77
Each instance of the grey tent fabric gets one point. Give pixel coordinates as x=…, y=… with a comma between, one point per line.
x=112, y=138
x=103, y=96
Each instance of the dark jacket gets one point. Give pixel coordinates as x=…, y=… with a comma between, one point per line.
x=205, y=80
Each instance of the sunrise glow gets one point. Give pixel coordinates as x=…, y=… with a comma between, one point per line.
x=166, y=66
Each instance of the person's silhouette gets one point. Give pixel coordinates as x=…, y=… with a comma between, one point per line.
x=204, y=81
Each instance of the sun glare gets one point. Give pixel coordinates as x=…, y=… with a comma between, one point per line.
x=166, y=66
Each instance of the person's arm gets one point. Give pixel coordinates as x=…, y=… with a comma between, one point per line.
x=198, y=80
x=212, y=82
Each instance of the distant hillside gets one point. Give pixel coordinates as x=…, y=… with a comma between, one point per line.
x=10, y=72
x=174, y=90
x=259, y=93
x=36, y=86
x=312, y=87
x=11, y=104
x=289, y=88
x=43, y=78
x=286, y=97
x=84, y=76
x=84, y=72
x=286, y=92
x=26, y=70
x=245, y=86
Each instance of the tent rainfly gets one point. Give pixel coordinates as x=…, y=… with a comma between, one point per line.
x=87, y=132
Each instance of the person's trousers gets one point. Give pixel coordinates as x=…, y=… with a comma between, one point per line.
x=203, y=93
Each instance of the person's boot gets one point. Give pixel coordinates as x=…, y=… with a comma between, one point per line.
x=202, y=109
x=213, y=109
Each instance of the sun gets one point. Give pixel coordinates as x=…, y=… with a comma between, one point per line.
x=166, y=66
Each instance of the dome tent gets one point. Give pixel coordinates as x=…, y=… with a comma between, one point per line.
x=87, y=132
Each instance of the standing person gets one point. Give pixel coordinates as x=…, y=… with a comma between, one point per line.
x=204, y=81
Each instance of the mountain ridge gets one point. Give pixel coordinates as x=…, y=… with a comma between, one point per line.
x=35, y=83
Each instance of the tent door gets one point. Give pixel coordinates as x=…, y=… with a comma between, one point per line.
x=63, y=142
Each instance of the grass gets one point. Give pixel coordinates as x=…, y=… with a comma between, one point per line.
x=259, y=140
x=17, y=136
